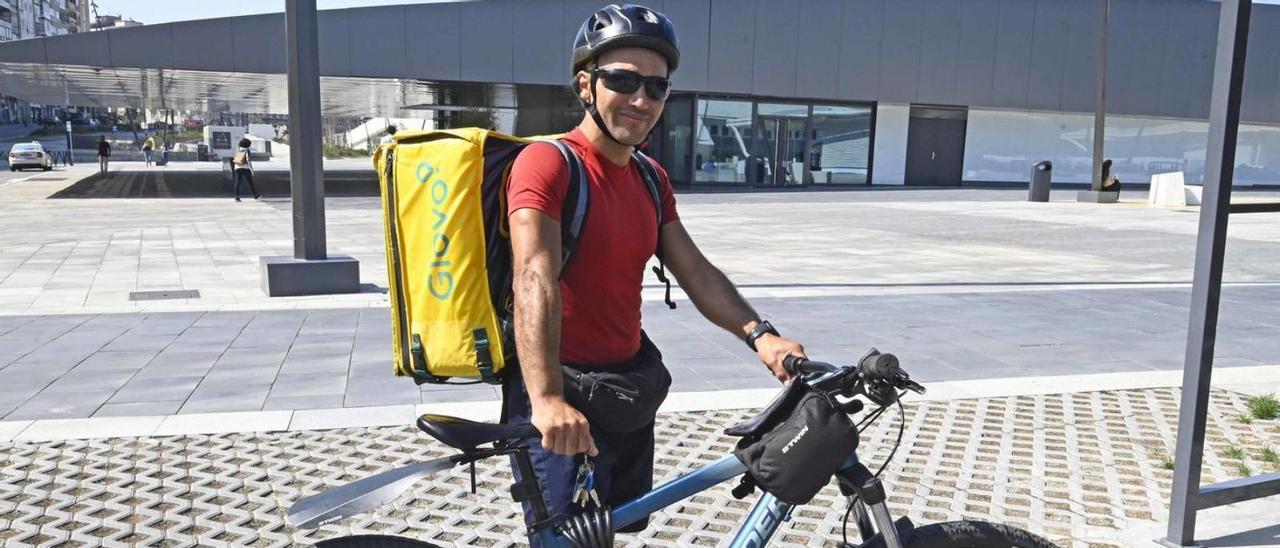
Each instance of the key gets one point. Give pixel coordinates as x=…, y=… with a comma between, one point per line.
x=584, y=483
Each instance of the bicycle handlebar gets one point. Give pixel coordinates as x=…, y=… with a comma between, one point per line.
x=878, y=376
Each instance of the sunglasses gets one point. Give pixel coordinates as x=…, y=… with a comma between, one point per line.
x=627, y=82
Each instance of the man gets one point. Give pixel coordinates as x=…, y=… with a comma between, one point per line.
x=622, y=59
x=104, y=152
x=390, y=137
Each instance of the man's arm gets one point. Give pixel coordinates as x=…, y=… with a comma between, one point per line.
x=535, y=247
x=717, y=298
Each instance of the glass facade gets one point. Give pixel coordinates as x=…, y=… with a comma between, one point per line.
x=722, y=141
x=1001, y=145
x=840, y=149
x=762, y=143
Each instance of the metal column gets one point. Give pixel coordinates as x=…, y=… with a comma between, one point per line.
x=306, y=172
x=1095, y=193
x=311, y=270
x=1188, y=496
x=1100, y=108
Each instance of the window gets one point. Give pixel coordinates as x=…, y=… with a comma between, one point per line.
x=720, y=154
x=677, y=136
x=841, y=145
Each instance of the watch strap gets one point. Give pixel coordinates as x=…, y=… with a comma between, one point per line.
x=759, y=331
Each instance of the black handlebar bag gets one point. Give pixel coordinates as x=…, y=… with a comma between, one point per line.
x=800, y=446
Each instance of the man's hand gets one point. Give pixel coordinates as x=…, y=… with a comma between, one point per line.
x=564, y=429
x=772, y=349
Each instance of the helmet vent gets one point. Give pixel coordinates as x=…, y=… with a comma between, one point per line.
x=602, y=22
x=648, y=16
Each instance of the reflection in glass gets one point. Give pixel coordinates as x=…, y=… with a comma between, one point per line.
x=677, y=138
x=779, y=158
x=1002, y=145
x=723, y=140
x=841, y=145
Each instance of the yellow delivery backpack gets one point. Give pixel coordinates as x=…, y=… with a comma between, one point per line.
x=449, y=263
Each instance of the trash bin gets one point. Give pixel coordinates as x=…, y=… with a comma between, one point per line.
x=1041, y=174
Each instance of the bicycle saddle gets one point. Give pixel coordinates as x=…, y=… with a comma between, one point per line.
x=466, y=435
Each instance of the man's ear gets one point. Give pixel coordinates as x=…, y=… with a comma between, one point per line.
x=582, y=84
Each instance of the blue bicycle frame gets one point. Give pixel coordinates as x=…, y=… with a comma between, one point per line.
x=761, y=523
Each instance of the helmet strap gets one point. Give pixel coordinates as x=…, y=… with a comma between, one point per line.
x=595, y=113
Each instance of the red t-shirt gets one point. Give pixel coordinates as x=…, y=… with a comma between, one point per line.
x=600, y=291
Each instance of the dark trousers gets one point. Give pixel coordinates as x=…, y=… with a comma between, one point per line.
x=245, y=175
x=623, y=469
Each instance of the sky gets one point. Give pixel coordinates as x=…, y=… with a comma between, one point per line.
x=164, y=11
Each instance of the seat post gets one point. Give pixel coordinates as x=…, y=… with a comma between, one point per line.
x=528, y=487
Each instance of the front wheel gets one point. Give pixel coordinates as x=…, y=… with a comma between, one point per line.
x=968, y=534
x=374, y=541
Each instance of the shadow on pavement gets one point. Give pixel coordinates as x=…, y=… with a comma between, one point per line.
x=170, y=183
x=1266, y=536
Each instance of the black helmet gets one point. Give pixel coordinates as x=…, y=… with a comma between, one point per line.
x=629, y=25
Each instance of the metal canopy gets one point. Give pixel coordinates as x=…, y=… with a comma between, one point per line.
x=243, y=92
x=1188, y=496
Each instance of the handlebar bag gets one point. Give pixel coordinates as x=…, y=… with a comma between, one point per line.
x=797, y=456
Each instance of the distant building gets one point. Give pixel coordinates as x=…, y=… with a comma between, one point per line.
x=112, y=22
x=24, y=19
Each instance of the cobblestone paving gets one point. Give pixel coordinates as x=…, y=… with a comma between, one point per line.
x=1076, y=468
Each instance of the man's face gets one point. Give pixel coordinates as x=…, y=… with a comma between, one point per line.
x=629, y=116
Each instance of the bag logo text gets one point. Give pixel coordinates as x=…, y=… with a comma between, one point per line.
x=793, y=441
x=440, y=281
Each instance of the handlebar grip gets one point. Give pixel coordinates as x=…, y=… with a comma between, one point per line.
x=796, y=366
x=792, y=364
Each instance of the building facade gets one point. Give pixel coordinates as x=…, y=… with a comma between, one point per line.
x=769, y=92
x=24, y=19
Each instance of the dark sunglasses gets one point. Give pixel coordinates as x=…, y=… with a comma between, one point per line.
x=627, y=82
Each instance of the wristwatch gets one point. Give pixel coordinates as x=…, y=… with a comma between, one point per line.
x=759, y=331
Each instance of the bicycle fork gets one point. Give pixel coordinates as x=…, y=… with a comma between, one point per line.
x=867, y=494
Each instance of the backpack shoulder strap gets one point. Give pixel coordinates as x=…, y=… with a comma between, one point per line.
x=576, y=198
x=654, y=182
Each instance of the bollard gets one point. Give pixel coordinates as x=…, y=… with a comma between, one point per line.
x=1041, y=174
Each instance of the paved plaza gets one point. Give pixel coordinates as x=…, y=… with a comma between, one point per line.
x=1059, y=321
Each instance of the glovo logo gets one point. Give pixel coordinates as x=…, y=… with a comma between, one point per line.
x=440, y=279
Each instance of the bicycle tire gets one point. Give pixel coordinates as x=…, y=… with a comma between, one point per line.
x=968, y=534
x=374, y=541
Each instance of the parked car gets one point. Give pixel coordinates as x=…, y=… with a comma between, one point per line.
x=25, y=155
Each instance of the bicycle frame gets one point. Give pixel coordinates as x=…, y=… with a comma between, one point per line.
x=765, y=516
x=760, y=525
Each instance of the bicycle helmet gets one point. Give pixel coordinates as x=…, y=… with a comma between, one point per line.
x=614, y=27
x=629, y=25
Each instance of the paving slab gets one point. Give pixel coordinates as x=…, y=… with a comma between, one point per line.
x=1083, y=469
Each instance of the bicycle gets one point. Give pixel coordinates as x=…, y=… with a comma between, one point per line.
x=877, y=378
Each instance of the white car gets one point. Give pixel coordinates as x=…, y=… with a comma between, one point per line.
x=31, y=154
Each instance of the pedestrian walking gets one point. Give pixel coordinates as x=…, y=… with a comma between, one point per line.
x=104, y=152
x=243, y=164
x=148, y=146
